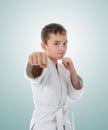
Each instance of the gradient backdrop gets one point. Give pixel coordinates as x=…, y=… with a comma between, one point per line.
x=20, y=25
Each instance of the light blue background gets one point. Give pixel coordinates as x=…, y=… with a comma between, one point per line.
x=87, y=25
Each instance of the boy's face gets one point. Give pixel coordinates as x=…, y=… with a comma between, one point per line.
x=56, y=46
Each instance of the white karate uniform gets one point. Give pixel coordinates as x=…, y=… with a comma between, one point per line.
x=50, y=93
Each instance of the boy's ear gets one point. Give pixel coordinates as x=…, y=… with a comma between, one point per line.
x=43, y=45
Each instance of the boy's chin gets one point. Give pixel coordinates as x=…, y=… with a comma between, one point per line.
x=61, y=57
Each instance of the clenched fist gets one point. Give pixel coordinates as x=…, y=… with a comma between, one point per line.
x=67, y=62
x=38, y=58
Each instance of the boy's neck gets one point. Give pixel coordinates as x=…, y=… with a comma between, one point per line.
x=55, y=61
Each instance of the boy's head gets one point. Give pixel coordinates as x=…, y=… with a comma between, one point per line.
x=52, y=28
x=54, y=41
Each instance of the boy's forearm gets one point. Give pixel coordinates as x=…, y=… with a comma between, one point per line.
x=75, y=79
x=36, y=71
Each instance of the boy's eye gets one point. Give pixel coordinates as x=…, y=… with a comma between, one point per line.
x=65, y=43
x=56, y=43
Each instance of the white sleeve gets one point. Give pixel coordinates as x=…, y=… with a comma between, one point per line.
x=29, y=76
x=27, y=71
x=74, y=94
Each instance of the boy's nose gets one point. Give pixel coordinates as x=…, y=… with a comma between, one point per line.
x=62, y=48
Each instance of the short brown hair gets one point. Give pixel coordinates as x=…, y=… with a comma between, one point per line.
x=51, y=28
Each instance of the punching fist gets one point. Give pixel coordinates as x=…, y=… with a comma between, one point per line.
x=38, y=58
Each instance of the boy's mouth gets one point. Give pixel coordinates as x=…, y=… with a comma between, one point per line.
x=61, y=53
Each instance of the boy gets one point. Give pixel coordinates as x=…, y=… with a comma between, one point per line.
x=52, y=83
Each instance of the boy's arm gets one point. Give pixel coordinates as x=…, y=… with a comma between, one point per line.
x=36, y=71
x=75, y=79
x=67, y=62
x=33, y=71
x=36, y=62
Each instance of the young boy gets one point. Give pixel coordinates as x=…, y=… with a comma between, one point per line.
x=52, y=83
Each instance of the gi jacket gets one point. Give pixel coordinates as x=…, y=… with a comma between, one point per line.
x=51, y=91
